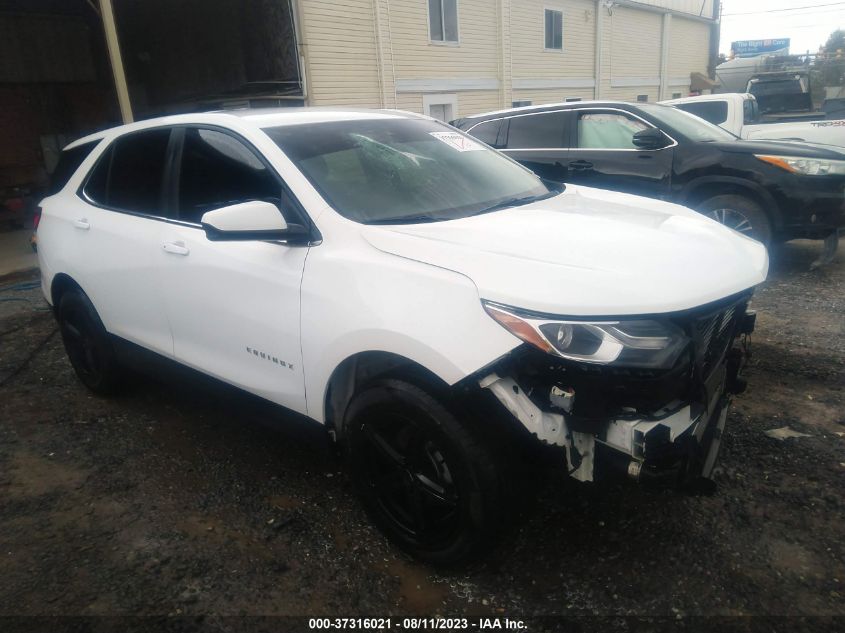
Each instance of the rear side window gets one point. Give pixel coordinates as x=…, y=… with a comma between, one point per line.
x=218, y=170
x=69, y=162
x=130, y=173
x=715, y=112
x=537, y=131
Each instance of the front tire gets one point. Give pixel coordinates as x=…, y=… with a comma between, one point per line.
x=427, y=480
x=87, y=344
x=739, y=213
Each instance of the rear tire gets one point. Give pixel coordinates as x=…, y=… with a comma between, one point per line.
x=427, y=480
x=740, y=214
x=87, y=344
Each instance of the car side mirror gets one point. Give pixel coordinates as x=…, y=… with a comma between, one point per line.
x=651, y=138
x=253, y=220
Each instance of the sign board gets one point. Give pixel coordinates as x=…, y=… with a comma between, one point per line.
x=750, y=48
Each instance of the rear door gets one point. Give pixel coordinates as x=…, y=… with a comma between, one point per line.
x=112, y=236
x=538, y=140
x=603, y=154
x=233, y=306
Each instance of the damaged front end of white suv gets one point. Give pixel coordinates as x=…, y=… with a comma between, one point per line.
x=647, y=396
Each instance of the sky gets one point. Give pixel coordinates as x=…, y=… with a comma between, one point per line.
x=806, y=22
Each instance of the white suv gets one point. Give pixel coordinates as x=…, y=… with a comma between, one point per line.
x=423, y=296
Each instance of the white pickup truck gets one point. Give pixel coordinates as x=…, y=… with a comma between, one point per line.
x=738, y=113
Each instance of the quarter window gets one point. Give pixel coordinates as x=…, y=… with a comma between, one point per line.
x=607, y=130
x=487, y=132
x=69, y=162
x=554, y=30
x=218, y=170
x=443, y=20
x=130, y=173
x=537, y=131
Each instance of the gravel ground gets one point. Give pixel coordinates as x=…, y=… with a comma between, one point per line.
x=191, y=499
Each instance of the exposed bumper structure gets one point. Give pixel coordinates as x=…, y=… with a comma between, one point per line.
x=664, y=427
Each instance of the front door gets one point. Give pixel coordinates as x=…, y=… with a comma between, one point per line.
x=233, y=307
x=603, y=155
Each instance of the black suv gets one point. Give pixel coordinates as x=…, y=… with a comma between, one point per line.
x=770, y=190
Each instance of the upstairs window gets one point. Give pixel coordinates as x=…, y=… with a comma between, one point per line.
x=443, y=20
x=554, y=30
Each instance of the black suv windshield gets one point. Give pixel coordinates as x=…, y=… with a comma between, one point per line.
x=380, y=171
x=689, y=125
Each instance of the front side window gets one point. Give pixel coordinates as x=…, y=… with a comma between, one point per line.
x=607, y=130
x=404, y=170
x=537, y=131
x=218, y=170
x=130, y=174
x=443, y=20
x=554, y=30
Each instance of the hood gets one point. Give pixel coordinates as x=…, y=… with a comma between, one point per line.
x=587, y=252
x=798, y=149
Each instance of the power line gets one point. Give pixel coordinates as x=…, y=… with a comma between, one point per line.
x=811, y=6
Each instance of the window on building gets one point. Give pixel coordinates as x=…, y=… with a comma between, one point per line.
x=676, y=95
x=554, y=30
x=130, y=174
x=642, y=98
x=520, y=104
x=535, y=131
x=572, y=99
x=218, y=170
x=443, y=107
x=607, y=130
x=443, y=20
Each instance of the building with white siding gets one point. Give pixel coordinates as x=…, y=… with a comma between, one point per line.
x=451, y=58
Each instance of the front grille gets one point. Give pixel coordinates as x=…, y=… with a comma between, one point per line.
x=713, y=335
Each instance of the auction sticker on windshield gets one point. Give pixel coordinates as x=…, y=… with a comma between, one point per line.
x=457, y=141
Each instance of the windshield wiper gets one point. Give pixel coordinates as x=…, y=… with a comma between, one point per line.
x=408, y=219
x=515, y=202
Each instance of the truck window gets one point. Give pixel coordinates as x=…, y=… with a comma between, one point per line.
x=715, y=112
x=750, y=111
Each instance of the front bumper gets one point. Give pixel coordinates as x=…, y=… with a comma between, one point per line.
x=666, y=427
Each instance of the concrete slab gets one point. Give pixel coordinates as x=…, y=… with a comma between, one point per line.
x=15, y=252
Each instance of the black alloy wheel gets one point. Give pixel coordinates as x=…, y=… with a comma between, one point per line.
x=424, y=477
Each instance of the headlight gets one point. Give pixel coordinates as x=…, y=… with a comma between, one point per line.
x=805, y=166
x=645, y=343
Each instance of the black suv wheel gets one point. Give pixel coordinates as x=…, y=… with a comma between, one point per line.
x=87, y=343
x=427, y=480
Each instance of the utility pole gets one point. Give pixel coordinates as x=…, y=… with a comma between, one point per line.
x=107, y=13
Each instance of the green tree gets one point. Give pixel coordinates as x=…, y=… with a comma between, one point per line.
x=831, y=60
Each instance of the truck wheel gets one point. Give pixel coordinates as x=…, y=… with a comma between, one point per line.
x=740, y=214
x=87, y=344
x=427, y=480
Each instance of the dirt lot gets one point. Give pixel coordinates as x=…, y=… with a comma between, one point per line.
x=187, y=499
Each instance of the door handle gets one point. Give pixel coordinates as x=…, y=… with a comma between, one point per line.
x=580, y=165
x=176, y=248
x=82, y=223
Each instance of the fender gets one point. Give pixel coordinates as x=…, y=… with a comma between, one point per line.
x=770, y=205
